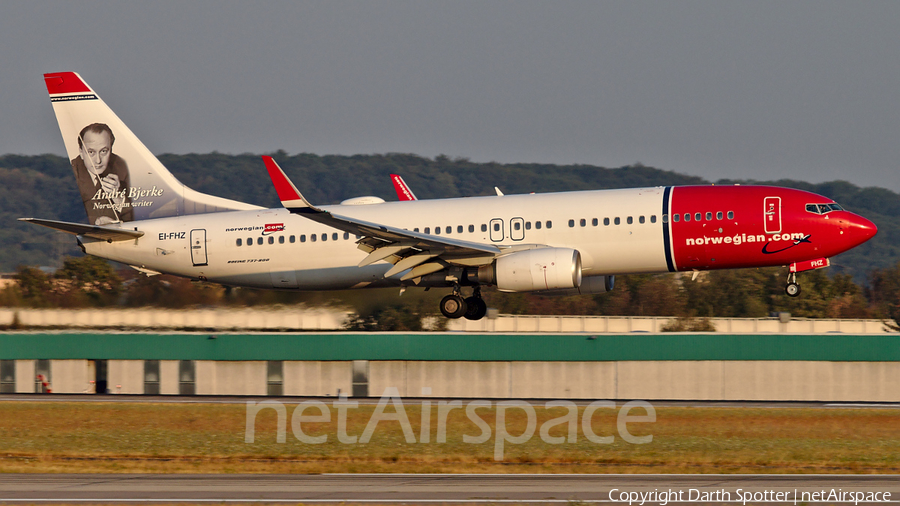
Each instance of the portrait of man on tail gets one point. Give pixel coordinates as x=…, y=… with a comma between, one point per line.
x=102, y=177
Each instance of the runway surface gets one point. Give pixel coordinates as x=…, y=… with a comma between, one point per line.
x=437, y=488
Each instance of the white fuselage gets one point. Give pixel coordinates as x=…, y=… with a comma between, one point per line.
x=283, y=254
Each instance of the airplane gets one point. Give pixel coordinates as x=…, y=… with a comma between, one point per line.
x=574, y=242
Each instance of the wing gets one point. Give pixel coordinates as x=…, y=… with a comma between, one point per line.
x=422, y=253
x=94, y=231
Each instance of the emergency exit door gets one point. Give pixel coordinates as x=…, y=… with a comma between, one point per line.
x=772, y=214
x=198, y=247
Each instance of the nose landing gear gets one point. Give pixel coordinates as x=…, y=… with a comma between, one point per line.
x=792, y=288
x=473, y=308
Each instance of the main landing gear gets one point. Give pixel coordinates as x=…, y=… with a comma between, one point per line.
x=792, y=288
x=473, y=308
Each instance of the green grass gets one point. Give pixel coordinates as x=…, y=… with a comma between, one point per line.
x=114, y=437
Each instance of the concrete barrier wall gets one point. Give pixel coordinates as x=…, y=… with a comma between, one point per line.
x=125, y=376
x=317, y=379
x=269, y=318
x=300, y=318
x=655, y=380
x=625, y=324
x=70, y=377
x=758, y=380
x=168, y=377
x=231, y=378
x=25, y=376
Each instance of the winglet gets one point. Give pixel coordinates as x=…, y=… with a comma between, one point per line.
x=288, y=193
x=402, y=189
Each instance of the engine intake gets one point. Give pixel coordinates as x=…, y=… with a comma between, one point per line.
x=536, y=269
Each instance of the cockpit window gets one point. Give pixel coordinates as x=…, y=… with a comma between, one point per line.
x=823, y=208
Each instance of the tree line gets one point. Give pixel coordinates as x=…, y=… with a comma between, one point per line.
x=90, y=282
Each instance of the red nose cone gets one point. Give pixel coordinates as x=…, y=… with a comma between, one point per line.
x=861, y=229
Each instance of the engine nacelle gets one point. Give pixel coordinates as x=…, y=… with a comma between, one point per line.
x=536, y=269
x=589, y=285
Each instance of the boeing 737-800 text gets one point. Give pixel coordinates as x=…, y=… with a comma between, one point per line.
x=571, y=242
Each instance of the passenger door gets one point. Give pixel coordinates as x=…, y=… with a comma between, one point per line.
x=497, y=232
x=517, y=229
x=198, y=247
x=772, y=214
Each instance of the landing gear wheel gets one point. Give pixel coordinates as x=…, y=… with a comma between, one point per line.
x=475, y=308
x=453, y=306
x=792, y=289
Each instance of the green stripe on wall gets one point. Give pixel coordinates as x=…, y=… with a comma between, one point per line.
x=449, y=346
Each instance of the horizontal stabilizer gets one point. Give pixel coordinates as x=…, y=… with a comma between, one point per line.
x=93, y=231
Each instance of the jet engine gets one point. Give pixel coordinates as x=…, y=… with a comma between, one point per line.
x=536, y=269
x=589, y=285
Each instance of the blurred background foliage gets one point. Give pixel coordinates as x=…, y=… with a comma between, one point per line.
x=862, y=283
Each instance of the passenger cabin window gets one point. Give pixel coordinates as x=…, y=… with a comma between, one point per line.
x=483, y=227
x=324, y=237
x=271, y=240
x=676, y=217
x=719, y=215
x=549, y=224
x=496, y=227
x=687, y=216
x=346, y=236
x=293, y=239
x=730, y=215
x=583, y=222
x=617, y=220
x=449, y=229
x=459, y=229
x=571, y=223
x=249, y=241
x=641, y=220
x=708, y=216
x=280, y=239
x=629, y=220
x=517, y=226
x=427, y=230
x=537, y=225
x=594, y=222
x=606, y=222
x=527, y=225
x=239, y=241
x=312, y=237
x=471, y=228
x=652, y=218
x=334, y=236
x=698, y=216
x=259, y=240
